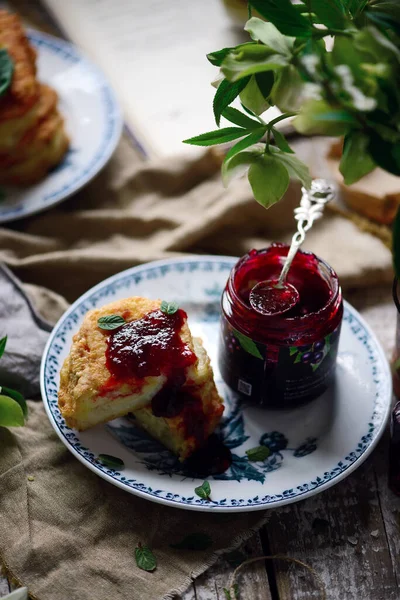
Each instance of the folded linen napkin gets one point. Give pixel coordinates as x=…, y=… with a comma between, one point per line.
x=64, y=532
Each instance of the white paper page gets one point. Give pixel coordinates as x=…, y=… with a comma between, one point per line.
x=154, y=54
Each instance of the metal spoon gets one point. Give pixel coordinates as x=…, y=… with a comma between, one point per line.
x=276, y=296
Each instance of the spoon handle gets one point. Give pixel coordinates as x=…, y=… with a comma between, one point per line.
x=311, y=207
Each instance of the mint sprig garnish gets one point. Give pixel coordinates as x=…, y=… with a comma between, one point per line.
x=235, y=590
x=203, y=491
x=13, y=407
x=194, y=541
x=110, y=322
x=111, y=461
x=258, y=454
x=6, y=71
x=169, y=308
x=145, y=558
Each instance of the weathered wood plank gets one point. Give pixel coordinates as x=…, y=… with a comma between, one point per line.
x=253, y=581
x=341, y=535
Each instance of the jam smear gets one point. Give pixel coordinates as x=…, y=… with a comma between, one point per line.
x=213, y=458
x=150, y=346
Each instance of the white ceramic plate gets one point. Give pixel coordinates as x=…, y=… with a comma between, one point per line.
x=93, y=122
x=313, y=447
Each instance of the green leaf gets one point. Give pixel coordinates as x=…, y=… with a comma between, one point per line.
x=254, y=58
x=385, y=154
x=252, y=97
x=297, y=359
x=218, y=56
x=219, y=136
x=295, y=167
x=384, y=21
x=238, y=118
x=287, y=92
x=281, y=141
x=194, y=541
x=293, y=350
x=111, y=461
x=269, y=35
x=258, y=454
x=284, y=16
x=6, y=71
x=145, y=559
x=249, y=140
x=169, y=308
x=330, y=12
x=11, y=414
x=226, y=92
x=203, y=491
x=17, y=397
x=228, y=595
x=317, y=117
x=356, y=161
x=247, y=344
x=3, y=343
x=269, y=180
x=396, y=244
x=241, y=159
x=110, y=322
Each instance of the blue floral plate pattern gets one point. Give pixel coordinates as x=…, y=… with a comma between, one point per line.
x=93, y=122
x=310, y=448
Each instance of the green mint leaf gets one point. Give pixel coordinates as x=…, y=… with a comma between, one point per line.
x=228, y=595
x=284, y=16
x=249, y=140
x=293, y=350
x=269, y=179
x=385, y=154
x=113, y=462
x=238, y=118
x=3, y=343
x=297, y=359
x=110, y=322
x=218, y=56
x=11, y=414
x=356, y=161
x=6, y=71
x=396, y=244
x=226, y=92
x=252, y=97
x=317, y=117
x=269, y=35
x=258, y=454
x=281, y=141
x=219, y=136
x=295, y=167
x=287, y=91
x=329, y=12
x=203, y=491
x=238, y=162
x=254, y=58
x=169, y=308
x=194, y=541
x=17, y=397
x=247, y=344
x=145, y=558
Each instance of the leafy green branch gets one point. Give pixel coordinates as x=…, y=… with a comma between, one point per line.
x=13, y=407
x=351, y=90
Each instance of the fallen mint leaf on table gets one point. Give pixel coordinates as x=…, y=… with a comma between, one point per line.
x=15, y=396
x=110, y=322
x=145, y=559
x=228, y=595
x=259, y=453
x=203, y=491
x=3, y=343
x=111, y=461
x=169, y=308
x=194, y=541
x=11, y=414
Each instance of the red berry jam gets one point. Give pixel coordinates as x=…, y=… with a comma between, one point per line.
x=282, y=360
x=394, y=451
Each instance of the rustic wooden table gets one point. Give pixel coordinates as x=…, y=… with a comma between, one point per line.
x=349, y=535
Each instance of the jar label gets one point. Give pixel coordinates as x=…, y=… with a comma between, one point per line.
x=276, y=376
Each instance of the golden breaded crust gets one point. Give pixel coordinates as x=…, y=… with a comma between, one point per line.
x=86, y=395
x=24, y=88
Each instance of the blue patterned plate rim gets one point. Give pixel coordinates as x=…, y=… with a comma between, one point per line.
x=107, y=146
x=352, y=461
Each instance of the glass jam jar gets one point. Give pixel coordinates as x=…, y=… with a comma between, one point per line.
x=284, y=360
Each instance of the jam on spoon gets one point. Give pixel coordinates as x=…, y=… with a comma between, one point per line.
x=271, y=298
